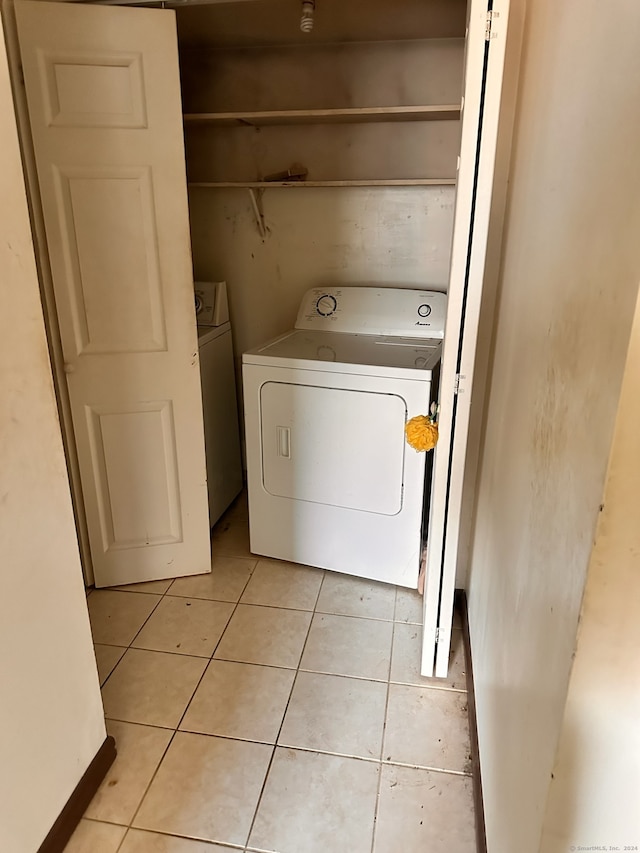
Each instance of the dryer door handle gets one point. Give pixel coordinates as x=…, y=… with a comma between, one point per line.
x=283, y=439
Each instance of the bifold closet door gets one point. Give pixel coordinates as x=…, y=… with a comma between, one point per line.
x=104, y=104
x=484, y=67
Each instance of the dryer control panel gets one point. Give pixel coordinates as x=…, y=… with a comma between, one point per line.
x=392, y=311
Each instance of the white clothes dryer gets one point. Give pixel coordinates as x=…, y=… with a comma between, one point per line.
x=332, y=482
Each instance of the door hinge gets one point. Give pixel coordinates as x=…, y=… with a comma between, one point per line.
x=488, y=29
x=460, y=377
x=437, y=636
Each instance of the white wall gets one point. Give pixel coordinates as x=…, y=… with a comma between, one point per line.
x=570, y=271
x=321, y=236
x=51, y=719
x=593, y=798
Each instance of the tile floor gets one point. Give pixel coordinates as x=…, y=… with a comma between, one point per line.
x=274, y=707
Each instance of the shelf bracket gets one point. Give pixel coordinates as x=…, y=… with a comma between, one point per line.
x=256, y=204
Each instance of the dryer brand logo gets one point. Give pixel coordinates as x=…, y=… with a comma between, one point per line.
x=421, y=323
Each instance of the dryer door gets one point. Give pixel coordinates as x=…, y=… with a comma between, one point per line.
x=333, y=446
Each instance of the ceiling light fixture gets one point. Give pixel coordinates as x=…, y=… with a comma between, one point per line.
x=306, y=21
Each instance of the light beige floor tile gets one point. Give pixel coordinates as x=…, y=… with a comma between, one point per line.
x=188, y=626
x=349, y=596
x=344, y=645
x=314, y=803
x=140, y=749
x=116, y=617
x=421, y=810
x=225, y=582
x=206, y=788
x=409, y=606
x=427, y=727
x=106, y=658
x=330, y=713
x=407, y=651
x=93, y=837
x=141, y=841
x=157, y=587
x=267, y=635
x=240, y=700
x=153, y=688
x=278, y=584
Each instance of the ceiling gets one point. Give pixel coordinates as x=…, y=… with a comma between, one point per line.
x=264, y=22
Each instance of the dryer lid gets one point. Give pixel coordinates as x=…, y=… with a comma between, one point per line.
x=319, y=346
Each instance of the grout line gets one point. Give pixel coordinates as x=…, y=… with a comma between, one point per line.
x=426, y=686
x=104, y=820
x=353, y=616
x=343, y=675
x=311, y=751
x=444, y=687
x=462, y=773
x=228, y=622
x=226, y=845
x=113, y=719
x=274, y=606
x=296, y=747
x=186, y=708
x=252, y=663
x=127, y=648
x=384, y=728
x=293, y=684
x=175, y=730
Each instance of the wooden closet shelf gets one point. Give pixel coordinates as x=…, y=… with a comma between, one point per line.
x=441, y=112
x=409, y=182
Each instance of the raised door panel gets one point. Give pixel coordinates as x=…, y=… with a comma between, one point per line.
x=84, y=90
x=109, y=243
x=134, y=456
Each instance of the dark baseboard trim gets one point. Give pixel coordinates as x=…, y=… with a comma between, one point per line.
x=69, y=817
x=478, y=801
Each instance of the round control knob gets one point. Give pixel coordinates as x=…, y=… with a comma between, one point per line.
x=424, y=310
x=420, y=361
x=326, y=305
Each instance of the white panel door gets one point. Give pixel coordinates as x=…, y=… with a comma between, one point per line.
x=104, y=104
x=484, y=64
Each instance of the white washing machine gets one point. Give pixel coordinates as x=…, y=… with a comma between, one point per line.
x=332, y=482
x=219, y=401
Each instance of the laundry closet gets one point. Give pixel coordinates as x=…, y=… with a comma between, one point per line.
x=331, y=154
x=366, y=107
